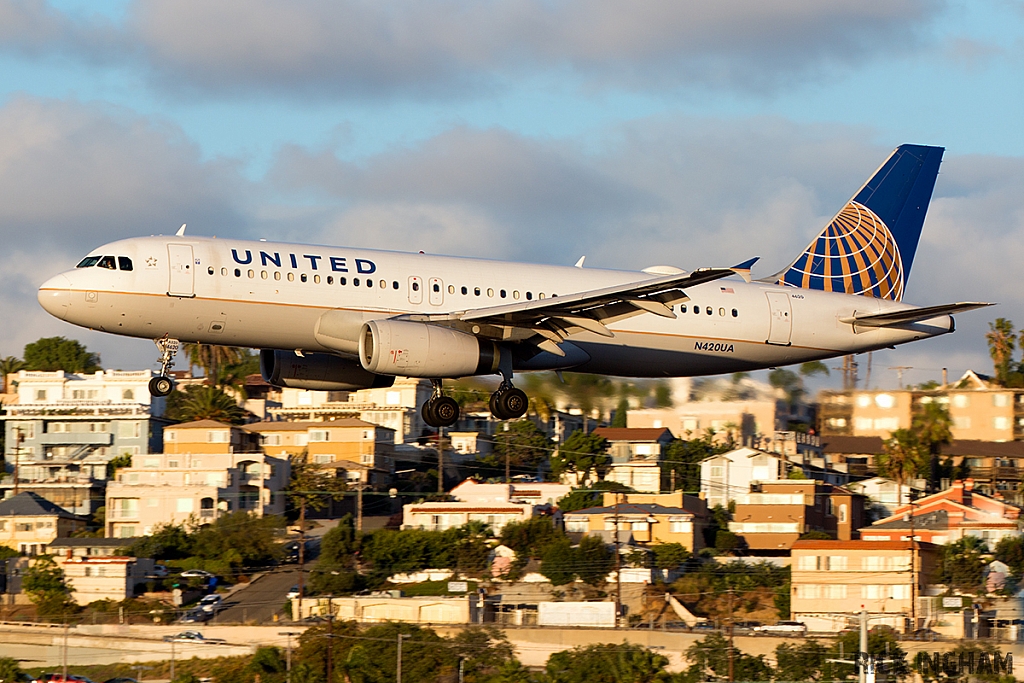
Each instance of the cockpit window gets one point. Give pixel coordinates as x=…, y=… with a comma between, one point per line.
x=88, y=262
x=124, y=263
x=107, y=262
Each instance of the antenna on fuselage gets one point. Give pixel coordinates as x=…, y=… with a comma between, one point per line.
x=579, y=264
x=181, y=230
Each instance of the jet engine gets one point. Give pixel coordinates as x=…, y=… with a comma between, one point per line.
x=318, y=371
x=414, y=349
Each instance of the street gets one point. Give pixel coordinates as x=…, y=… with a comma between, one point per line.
x=260, y=600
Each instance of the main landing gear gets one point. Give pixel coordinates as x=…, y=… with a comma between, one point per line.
x=440, y=410
x=509, y=403
x=163, y=384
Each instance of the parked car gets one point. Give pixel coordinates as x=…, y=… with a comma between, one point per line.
x=211, y=603
x=293, y=593
x=159, y=571
x=746, y=625
x=704, y=626
x=783, y=627
x=59, y=678
x=192, y=637
x=195, y=616
x=196, y=574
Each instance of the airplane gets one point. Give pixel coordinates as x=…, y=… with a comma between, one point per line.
x=338, y=318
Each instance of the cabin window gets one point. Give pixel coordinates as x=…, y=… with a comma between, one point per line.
x=316, y=279
x=304, y=277
x=476, y=291
x=88, y=262
x=394, y=285
x=696, y=310
x=682, y=309
x=437, y=287
x=490, y=292
x=501, y=293
x=251, y=273
x=515, y=293
x=721, y=311
x=223, y=271
x=369, y=283
x=264, y=274
x=735, y=313
x=541, y=295
x=465, y=290
x=383, y=284
x=210, y=270
x=238, y=272
x=124, y=263
x=709, y=311
x=107, y=262
x=355, y=282
x=342, y=280
x=277, y=275
x=330, y=279
x=529, y=295
x=415, y=286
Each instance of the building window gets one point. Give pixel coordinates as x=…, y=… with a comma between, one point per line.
x=1001, y=422
x=717, y=471
x=807, y=591
x=323, y=458
x=576, y=526
x=319, y=435
x=680, y=527
x=961, y=400
x=807, y=563
x=835, y=591
x=842, y=513
x=885, y=401
x=41, y=394
x=1000, y=400
x=272, y=440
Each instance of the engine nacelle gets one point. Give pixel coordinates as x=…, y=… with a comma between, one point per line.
x=412, y=349
x=318, y=371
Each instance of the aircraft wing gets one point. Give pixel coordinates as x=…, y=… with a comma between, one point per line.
x=550, y=321
x=912, y=315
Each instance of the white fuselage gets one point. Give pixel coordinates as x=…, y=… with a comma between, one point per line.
x=271, y=295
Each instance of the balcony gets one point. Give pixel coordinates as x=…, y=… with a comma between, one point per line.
x=76, y=439
x=122, y=515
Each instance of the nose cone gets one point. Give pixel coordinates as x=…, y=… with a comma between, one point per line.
x=55, y=296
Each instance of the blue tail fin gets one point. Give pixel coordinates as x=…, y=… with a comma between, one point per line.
x=869, y=246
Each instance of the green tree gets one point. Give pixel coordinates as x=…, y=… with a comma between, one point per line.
x=902, y=458
x=933, y=427
x=882, y=643
x=670, y=555
x=485, y=653
x=211, y=357
x=581, y=452
x=525, y=446
x=593, y=560
x=683, y=458
x=789, y=382
x=58, y=353
x=10, y=671
x=1010, y=549
x=530, y=537
x=47, y=589
x=711, y=655
x=167, y=542
x=1001, y=344
x=621, y=413
x=607, y=663
x=962, y=564
x=803, y=662
x=238, y=540
x=558, y=563
x=116, y=463
x=583, y=498
x=335, y=571
x=203, y=402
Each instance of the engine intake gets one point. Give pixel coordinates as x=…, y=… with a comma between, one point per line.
x=413, y=349
x=317, y=371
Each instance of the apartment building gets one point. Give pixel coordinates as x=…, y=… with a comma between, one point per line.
x=209, y=436
x=29, y=523
x=727, y=475
x=980, y=410
x=774, y=514
x=492, y=504
x=104, y=578
x=832, y=581
x=648, y=518
x=338, y=441
x=193, y=488
x=948, y=516
x=395, y=407
x=61, y=429
x=636, y=454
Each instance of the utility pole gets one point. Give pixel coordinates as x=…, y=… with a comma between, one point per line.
x=359, y=506
x=288, y=653
x=900, y=369
x=18, y=438
x=440, y=460
x=913, y=569
x=462, y=666
x=172, y=659
x=862, y=655
x=330, y=646
x=64, y=658
x=398, y=670
x=618, y=564
x=732, y=650
x=302, y=557
x=508, y=454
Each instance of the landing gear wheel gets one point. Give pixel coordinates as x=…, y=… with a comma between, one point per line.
x=161, y=386
x=509, y=403
x=445, y=411
x=427, y=412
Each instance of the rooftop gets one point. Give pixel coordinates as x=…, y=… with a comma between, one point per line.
x=29, y=504
x=633, y=433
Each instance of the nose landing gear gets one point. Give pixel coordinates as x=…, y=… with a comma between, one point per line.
x=162, y=384
x=440, y=410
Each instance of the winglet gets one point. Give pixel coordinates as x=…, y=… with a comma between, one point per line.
x=181, y=230
x=579, y=264
x=743, y=269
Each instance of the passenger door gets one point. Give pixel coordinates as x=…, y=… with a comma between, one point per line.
x=182, y=270
x=781, y=329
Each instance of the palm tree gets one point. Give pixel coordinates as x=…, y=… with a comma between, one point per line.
x=902, y=458
x=932, y=426
x=211, y=358
x=1001, y=343
x=10, y=366
x=205, y=402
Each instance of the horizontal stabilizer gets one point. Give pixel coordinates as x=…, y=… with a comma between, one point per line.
x=912, y=315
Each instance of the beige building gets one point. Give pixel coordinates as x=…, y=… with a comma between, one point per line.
x=209, y=436
x=979, y=409
x=192, y=489
x=395, y=407
x=833, y=580
x=104, y=578
x=462, y=609
x=29, y=523
x=742, y=419
x=493, y=504
x=774, y=514
x=331, y=441
x=636, y=454
x=649, y=518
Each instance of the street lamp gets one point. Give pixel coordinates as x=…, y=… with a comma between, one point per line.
x=288, y=652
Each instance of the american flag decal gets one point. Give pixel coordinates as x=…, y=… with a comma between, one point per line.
x=728, y=290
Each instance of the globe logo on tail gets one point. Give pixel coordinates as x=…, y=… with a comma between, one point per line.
x=855, y=254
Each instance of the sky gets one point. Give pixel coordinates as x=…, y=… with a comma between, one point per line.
x=675, y=132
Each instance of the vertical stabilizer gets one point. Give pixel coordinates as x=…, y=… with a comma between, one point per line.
x=868, y=248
